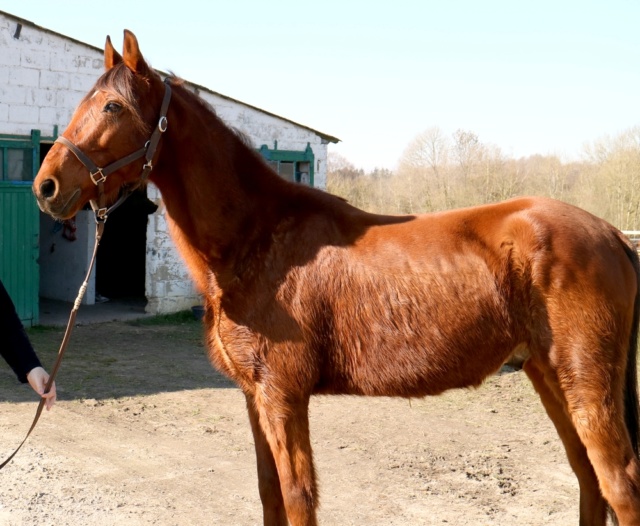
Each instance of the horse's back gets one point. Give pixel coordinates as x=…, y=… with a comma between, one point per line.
x=529, y=238
x=442, y=300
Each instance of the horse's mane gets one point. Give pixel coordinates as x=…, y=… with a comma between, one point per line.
x=203, y=105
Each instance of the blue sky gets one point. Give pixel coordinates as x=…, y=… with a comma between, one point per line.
x=531, y=77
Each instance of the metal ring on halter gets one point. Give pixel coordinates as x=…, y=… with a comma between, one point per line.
x=93, y=175
x=162, y=124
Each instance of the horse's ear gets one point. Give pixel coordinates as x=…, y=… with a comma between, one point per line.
x=111, y=56
x=132, y=57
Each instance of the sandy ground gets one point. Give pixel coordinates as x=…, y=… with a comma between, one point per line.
x=145, y=432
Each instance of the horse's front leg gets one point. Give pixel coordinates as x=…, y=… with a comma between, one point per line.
x=274, y=513
x=285, y=427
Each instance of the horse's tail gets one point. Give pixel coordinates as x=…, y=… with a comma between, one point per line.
x=631, y=404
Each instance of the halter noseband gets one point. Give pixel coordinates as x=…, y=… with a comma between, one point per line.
x=99, y=175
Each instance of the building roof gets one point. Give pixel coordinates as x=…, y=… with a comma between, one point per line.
x=324, y=136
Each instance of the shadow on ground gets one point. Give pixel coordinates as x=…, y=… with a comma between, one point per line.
x=122, y=358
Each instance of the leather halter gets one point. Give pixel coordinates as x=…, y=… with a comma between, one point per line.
x=99, y=175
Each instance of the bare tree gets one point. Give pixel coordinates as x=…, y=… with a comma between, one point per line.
x=438, y=172
x=614, y=178
x=467, y=150
x=426, y=159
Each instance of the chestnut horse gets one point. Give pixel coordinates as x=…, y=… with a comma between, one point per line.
x=306, y=294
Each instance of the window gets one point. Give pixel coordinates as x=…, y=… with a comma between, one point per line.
x=292, y=165
x=19, y=157
x=19, y=165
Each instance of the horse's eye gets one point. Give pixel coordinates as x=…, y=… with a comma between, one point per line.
x=112, y=107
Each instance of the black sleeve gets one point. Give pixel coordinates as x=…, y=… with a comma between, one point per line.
x=15, y=346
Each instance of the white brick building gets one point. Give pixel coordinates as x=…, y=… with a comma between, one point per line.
x=43, y=76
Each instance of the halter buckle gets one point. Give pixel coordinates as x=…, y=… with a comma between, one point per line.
x=97, y=173
x=162, y=124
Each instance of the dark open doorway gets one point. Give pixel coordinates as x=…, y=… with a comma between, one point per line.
x=120, y=264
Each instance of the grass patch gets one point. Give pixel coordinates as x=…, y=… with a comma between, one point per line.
x=41, y=329
x=175, y=318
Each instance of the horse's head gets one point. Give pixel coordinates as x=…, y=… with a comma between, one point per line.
x=113, y=122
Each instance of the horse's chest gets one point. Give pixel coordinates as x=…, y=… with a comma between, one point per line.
x=232, y=348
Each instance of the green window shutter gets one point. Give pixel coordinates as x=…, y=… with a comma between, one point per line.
x=20, y=223
x=293, y=165
x=19, y=239
x=19, y=157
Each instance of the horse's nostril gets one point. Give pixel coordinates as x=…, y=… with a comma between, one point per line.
x=47, y=188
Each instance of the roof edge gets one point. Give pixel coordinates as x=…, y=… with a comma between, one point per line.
x=325, y=136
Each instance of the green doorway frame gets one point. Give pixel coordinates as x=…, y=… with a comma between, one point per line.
x=20, y=222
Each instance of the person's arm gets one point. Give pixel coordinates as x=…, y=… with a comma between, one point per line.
x=15, y=346
x=17, y=350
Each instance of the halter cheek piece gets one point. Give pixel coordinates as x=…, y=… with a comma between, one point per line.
x=99, y=175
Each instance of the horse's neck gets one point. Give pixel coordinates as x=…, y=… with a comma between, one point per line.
x=212, y=186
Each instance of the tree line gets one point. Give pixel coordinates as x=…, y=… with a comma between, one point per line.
x=439, y=171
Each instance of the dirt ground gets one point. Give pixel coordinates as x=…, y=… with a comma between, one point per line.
x=146, y=432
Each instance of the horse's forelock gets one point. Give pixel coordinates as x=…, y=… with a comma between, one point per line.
x=119, y=81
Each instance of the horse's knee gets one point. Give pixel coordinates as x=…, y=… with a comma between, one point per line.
x=301, y=496
x=621, y=488
x=269, y=489
x=297, y=479
x=301, y=503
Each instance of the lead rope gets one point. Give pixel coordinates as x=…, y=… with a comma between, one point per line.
x=65, y=339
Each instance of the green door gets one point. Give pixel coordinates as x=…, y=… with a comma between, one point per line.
x=20, y=224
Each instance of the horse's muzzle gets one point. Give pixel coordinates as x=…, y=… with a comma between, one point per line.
x=55, y=204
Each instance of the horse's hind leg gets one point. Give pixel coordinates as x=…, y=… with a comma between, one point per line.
x=593, y=507
x=589, y=377
x=597, y=411
x=285, y=426
x=274, y=513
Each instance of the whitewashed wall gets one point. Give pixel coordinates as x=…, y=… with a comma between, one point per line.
x=66, y=262
x=264, y=128
x=43, y=76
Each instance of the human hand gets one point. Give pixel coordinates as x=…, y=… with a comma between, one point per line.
x=38, y=379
